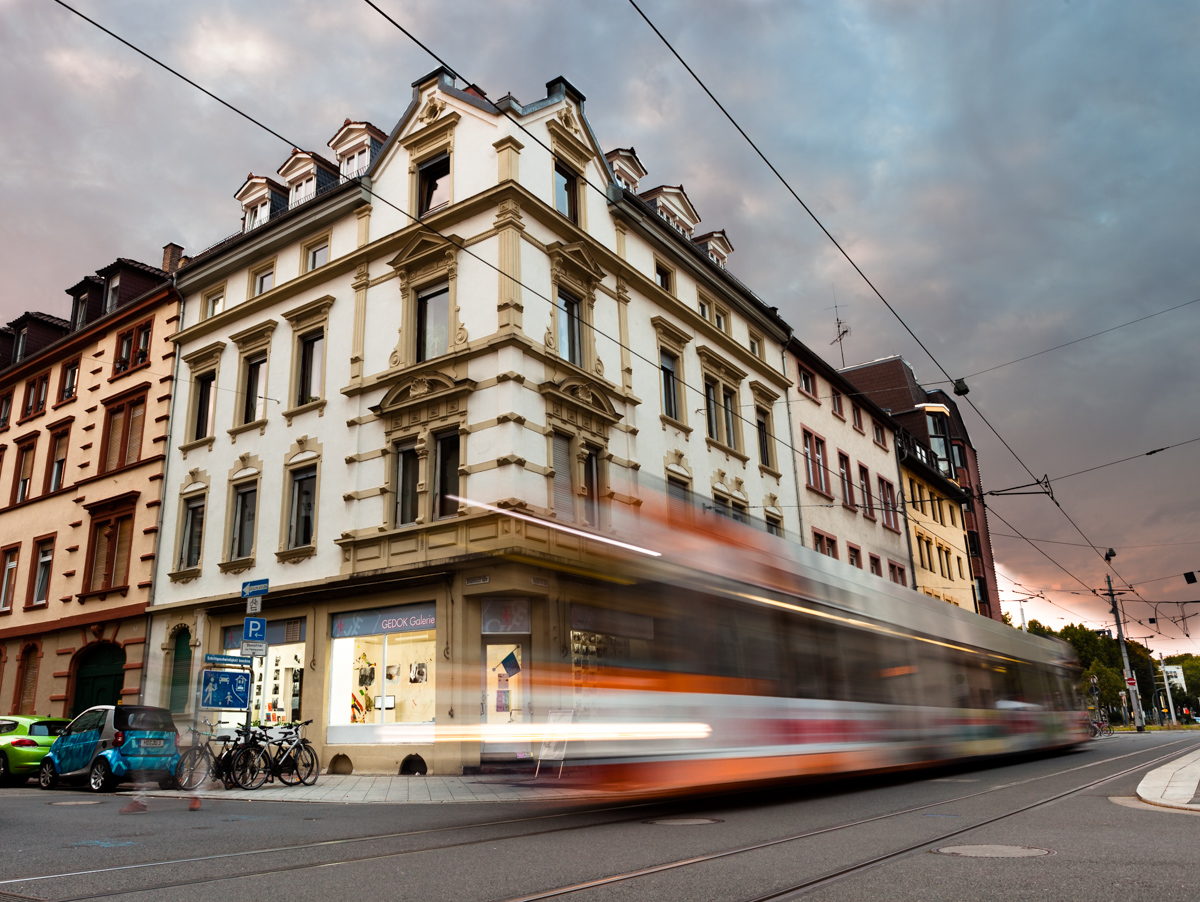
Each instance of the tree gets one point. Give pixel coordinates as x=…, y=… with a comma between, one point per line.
x=1109, y=682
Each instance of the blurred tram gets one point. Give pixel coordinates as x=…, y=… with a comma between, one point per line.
x=705, y=652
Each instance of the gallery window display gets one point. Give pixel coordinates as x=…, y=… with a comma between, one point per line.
x=382, y=684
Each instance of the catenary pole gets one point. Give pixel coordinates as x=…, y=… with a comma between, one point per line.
x=1167, y=683
x=1134, y=695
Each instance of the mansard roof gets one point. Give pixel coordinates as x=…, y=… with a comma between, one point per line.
x=676, y=200
x=256, y=180
x=350, y=125
x=299, y=158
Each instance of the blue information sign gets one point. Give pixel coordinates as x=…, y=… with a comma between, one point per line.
x=255, y=629
x=225, y=690
x=228, y=660
x=255, y=587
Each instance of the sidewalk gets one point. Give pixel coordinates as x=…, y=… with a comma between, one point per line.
x=368, y=788
x=1173, y=785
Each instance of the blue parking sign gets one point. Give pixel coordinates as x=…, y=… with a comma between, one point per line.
x=225, y=690
x=255, y=629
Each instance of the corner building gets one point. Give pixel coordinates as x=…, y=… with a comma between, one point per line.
x=407, y=337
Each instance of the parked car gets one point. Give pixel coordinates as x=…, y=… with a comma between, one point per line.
x=24, y=742
x=108, y=745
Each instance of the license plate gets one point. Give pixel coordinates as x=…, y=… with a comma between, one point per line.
x=152, y=743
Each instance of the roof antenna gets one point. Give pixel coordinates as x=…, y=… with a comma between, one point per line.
x=843, y=329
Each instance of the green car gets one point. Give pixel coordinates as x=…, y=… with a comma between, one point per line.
x=24, y=742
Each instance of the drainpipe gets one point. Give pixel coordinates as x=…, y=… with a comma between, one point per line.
x=787, y=401
x=912, y=567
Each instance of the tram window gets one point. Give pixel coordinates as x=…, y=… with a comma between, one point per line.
x=935, y=676
x=760, y=648
x=897, y=675
x=860, y=652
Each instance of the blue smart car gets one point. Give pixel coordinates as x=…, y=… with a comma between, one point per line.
x=107, y=745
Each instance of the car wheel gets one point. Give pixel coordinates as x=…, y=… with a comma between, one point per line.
x=47, y=777
x=100, y=777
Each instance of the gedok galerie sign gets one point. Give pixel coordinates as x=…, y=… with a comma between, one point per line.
x=400, y=619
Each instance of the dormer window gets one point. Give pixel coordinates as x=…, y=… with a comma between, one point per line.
x=79, y=313
x=355, y=164
x=303, y=190
x=433, y=184
x=258, y=214
x=19, y=345
x=113, y=294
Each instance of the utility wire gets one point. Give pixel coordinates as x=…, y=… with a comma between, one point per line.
x=1111, y=463
x=1005, y=535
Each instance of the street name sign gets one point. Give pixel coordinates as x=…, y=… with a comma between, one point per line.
x=228, y=660
x=255, y=587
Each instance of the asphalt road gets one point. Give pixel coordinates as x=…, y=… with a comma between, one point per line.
x=854, y=839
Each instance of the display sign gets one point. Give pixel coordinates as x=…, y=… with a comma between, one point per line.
x=255, y=587
x=228, y=660
x=254, y=649
x=406, y=618
x=225, y=690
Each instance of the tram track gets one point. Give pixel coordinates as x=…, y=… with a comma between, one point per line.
x=644, y=807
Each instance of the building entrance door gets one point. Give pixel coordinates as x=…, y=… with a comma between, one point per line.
x=99, y=678
x=505, y=692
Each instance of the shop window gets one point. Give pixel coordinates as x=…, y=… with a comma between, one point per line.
x=407, y=479
x=278, y=677
x=302, y=514
x=108, y=552
x=56, y=463
x=433, y=322
x=43, y=563
x=123, y=433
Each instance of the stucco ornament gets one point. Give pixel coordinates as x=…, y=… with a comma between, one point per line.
x=432, y=110
x=567, y=117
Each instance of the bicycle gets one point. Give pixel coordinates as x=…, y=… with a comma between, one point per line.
x=290, y=758
x=198, y=763
x=1098, y=728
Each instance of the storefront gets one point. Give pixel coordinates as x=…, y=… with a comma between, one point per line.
x=279, y=677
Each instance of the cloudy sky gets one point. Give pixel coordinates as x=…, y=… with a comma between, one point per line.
x=1011, y=175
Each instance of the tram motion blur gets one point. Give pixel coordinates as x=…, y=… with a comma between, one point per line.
x=701, y=651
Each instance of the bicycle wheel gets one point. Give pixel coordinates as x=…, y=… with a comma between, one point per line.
x=1106, y=728
x=251, y=766
x=193, y=768
x=299, y=765
x=315, y=770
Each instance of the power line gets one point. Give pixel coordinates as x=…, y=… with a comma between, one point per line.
x=1081, y=545
x=1111, y=463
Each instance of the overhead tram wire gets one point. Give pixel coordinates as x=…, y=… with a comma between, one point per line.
x=387, y=202
x=1111, y=463
x=616, y=341
x=863, y=275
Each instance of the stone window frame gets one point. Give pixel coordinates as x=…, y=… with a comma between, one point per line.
x=575, y=271
x=256, y=271
x=246, y=471
x=585, y=421
x=672, y=286
x=716, y=368
x=201, y=362
x=416, y=412
x=674, y=341
x=220, y=290
x=764, y=399
x=753, y=340
x=196, y=485
x=305, y=452
x=675, y=466
x=573, y=153
x=306, y=248
x=425, y=144
x=250, y=343
x=581, y=443
x=305, y=320
x=425, y=262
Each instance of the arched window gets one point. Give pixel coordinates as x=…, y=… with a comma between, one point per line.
x=181, y=670
x=29, y=676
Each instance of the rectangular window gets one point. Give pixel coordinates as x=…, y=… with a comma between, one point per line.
x=113, y=294
x=876, y=565
x=23, y=486
x=35, y=395
x=302, y=516
x=836, y=402
x=433, y=184
x=19, y=345
x=973, y=543
x=570, y=345
x=710, y=409
x=887, y=501
x=921, y=553
x=245, y=512
x=762, y=421
x=896, y=573
x=78, y=313
x=815, y=463
x=213, y=304
x=312, y=365
x=68, y=382
x=662, y=276
x=756, y=346
x=846, y=480
x=774, y=527
x=939, y=441
x=406, y=484
x=192, y=539
x=679, y=501
x=318, y=255
x=8, y=578
x=303, y=190
x=433, y=322
x=133, y=349
x=864, y=486
x=254, y=387
x=202, y=425
x=825, y=544
x=566, y=192
x=5, y=409
x=354, y=164
x=854, y=557
x=591, y=488
x=731, y=412
x=56, y=464
x=446, y=476
x=258, y=214
x=564, y=489
x=41, y=576
x=878, y=435
x=808, y=383
x=856, y=416
x=670, y=385
x=702, y=306
x=108, y=565
x=264, y=281
x=722, y=320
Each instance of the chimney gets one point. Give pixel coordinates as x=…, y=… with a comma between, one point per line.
x=172, y=256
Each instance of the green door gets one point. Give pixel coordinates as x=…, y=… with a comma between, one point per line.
x=100, y=677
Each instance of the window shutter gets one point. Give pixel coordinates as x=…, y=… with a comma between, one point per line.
x=181, y=671
x=291, y=631
x=100, y=557
x=29, y=676
x=121, y=558
x=27, y=463
x=136, y=419
x=677, y=502
x=564, y=498
x=116, y=426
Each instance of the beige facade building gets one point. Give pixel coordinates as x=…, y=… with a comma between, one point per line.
x=84, y=408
